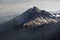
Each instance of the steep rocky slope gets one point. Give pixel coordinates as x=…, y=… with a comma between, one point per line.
x=34, y=17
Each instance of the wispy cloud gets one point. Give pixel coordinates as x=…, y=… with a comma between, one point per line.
x=14, y=1
x=1, y=1
x=13, y=6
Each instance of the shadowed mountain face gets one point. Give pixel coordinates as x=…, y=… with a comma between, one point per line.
x=34, y=17
x=33, y=24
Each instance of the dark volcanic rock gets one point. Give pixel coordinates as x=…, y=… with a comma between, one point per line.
x=34, y=17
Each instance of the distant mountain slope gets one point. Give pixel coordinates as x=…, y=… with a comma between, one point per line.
x=34, y=17
x=45, y=27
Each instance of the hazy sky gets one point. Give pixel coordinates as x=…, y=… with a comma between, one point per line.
x=14, y=6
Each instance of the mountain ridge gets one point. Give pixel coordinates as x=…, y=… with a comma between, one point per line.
x=34, y=16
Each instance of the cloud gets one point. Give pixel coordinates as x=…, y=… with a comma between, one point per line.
x=12, y=6
x=46, y=5
x=1, y=1
x=20, y=1
x=15, y=1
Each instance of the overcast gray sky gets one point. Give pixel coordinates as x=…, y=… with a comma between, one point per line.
x=13, y=6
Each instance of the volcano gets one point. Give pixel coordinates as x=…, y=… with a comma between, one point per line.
x=34, y=17
x=33, y=24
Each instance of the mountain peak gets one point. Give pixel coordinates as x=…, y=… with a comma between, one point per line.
x=34, y=16
x=36, y=8
x=33, y=9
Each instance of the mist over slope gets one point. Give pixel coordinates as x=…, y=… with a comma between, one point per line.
x=33, y=24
